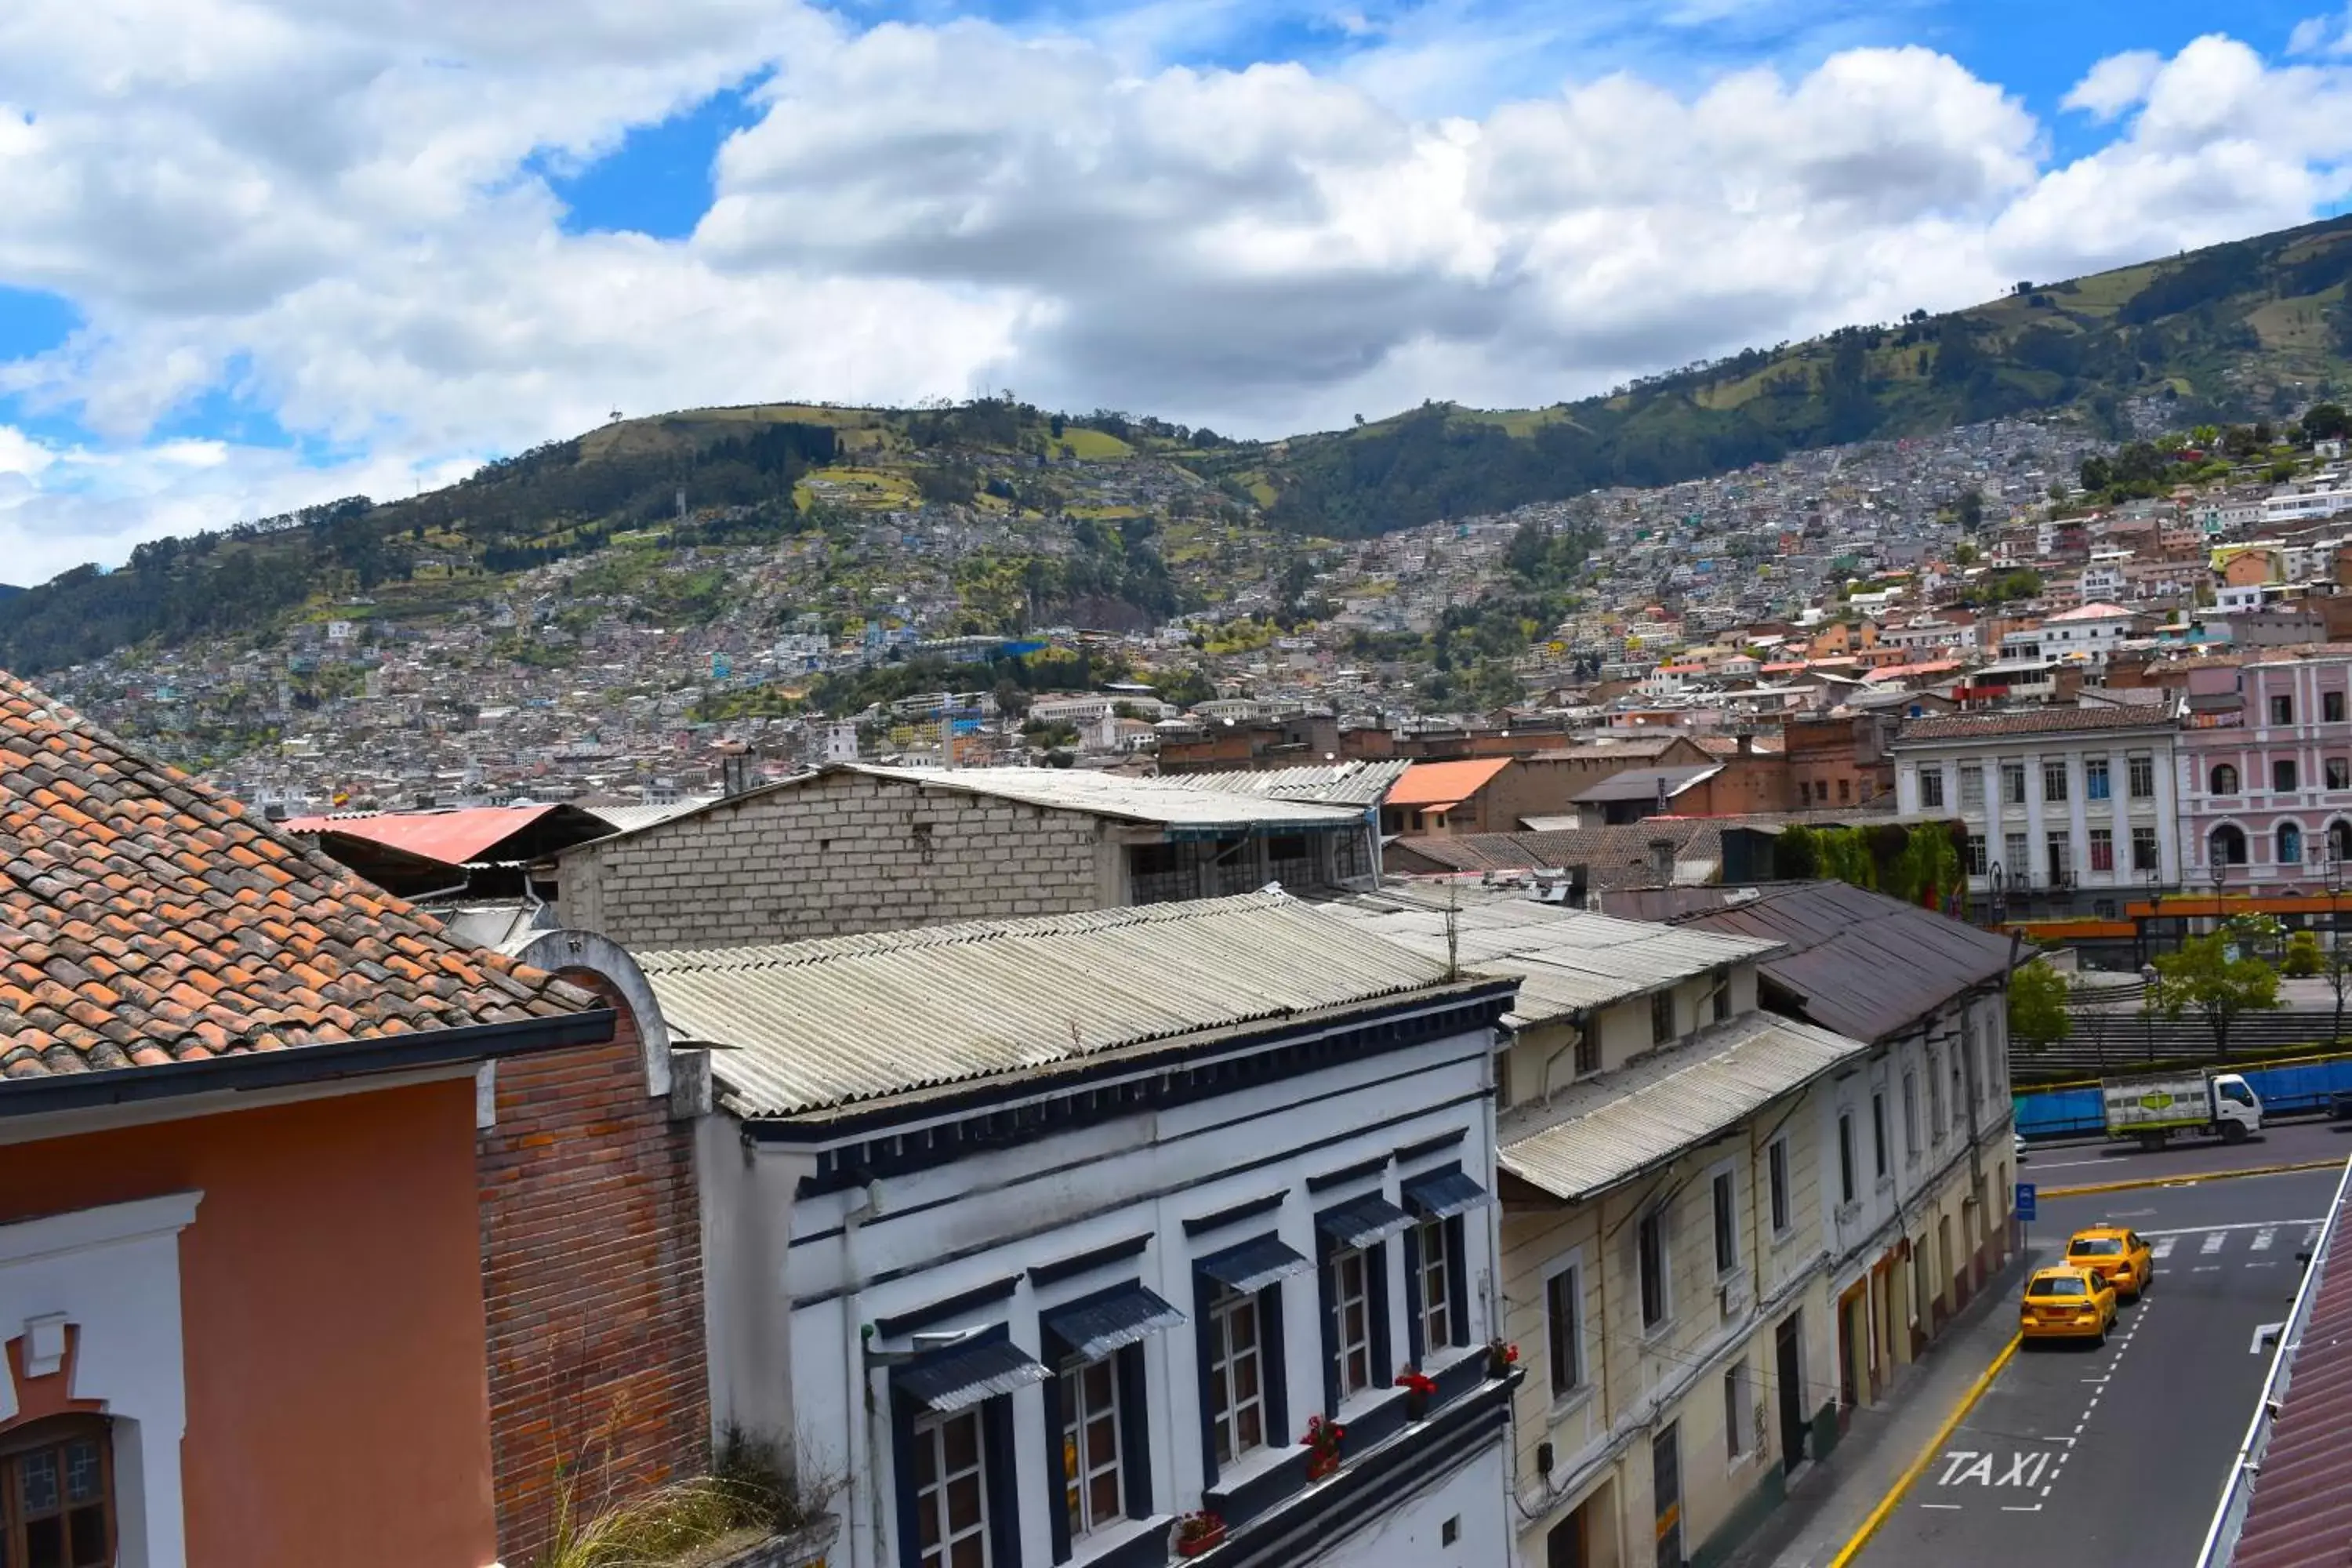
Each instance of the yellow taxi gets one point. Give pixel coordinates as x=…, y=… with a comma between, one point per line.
x=2067, y=1304
x=2115, y=1255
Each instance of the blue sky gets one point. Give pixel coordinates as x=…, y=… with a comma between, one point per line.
x=251, y=266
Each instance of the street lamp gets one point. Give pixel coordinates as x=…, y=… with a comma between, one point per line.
x=1998, y=900
x=2151, y=980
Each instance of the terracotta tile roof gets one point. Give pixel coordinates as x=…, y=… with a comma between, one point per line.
x=2027, y=721
x=146, y=918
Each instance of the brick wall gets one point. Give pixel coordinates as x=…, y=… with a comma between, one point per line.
x=592, y=1284
x=838, y=853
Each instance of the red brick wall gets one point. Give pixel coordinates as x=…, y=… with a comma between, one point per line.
x=591, y=1283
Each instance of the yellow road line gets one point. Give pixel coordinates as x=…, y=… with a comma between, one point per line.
x=2188, y=1178
x=1886, y=1504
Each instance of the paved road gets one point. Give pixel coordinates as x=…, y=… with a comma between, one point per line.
x=2087, y=1163
x=2077, y=1455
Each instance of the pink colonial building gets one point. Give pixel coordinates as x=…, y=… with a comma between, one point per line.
x=2266, y=760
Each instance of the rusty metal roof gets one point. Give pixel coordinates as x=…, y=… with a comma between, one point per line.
x=2298, y=1460
x=1859, y=963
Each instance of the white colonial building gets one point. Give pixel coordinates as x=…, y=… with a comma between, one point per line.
x=1045, y=1235
x=2072, y=805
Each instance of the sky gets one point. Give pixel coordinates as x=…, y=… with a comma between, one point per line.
x=256, y=254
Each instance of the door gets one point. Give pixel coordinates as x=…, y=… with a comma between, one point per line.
x=1564, y=1543
x=1787, y=1375
x=1666, y=1486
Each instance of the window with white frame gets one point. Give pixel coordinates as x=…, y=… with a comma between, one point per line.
x=1934, y=1099
x=951, y=1491
x=2139, y=768
x=1846, y=1156
x=1351, y=1317
x=2012, y=783
x=57, y=1503
x=1738, y=1404
x=1931, y=787
x=1911, y=1112
x=1564, y=1329
x=1236, y=1376
x=1971, y=785
x=1878, y=1133
x=1093, y=1479
x=2095, y=785
x=2053, y=780
x=1776, y=1167
x=1432, y=1281
x=1655, y=1268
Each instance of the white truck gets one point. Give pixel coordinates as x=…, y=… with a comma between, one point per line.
x=2152, y=1107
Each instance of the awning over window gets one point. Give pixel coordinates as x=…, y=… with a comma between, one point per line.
x=963, y=1375
x=1360, y=1221
x=1444, y=1194
x=1253, y=1265
x=1096, y=1327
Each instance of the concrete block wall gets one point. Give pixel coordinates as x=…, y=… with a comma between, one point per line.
x=837, y=854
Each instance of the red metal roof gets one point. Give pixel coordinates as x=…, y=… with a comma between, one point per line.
x=454, y=838
x=1446, y=783
x=2301, y=1515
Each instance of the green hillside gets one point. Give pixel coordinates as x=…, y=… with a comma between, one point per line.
x=2252, y=328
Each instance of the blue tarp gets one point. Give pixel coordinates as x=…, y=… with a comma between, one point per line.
x=2284, y=1091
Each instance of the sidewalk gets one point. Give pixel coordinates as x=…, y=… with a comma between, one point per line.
x=1832, y=1497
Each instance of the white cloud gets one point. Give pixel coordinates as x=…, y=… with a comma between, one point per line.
x=327, y=210
x=2322, y=35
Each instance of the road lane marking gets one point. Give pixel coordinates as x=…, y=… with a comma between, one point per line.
x=2206, y=1269
x=2213, y=1244
x=2243, y=1225
x=2021, y=1507
x=2265, y=1237
x=2164, y=1248
x=1951, y=1507
x=2272, y=1264
x=1903, y=1483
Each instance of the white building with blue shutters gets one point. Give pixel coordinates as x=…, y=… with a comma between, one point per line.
x=1042, y=1235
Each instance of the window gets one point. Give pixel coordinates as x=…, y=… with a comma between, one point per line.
x=2338, y=772
x=2143, y=851
x=1911, y=1113
x=2139, y=770
x=1971, y=785
x=952, y=1491
x=1738, y=1405
x=1878, y=1133
x=1588, y=1051
x=1662, y=1018
x=1564, y=1331
x=1846, y=1156
x=1503, y=1078
x=2283, y=774
x=2059, y=852
x=2228, y=846
x=2290, y=843
x=1352, y=1318
x=1650, y=1245
x=2224, y=780
x=1435, y=1243
x=1776, y=1165
x=2012, y=848
x=2095, y=778
x=1934, y=1099
x=1931, y=786
x=2012, y=783
x=2054, y=781
x=57, y=1503
x=1722, y=996
x=2102, y=849
x=1236, y=1376
x=1093, y=1486
x=2331, y=707
x=1726, y=1221
x=1959, y=1089
x=1978, y=860
x=1845, y=790
x=2282, y=710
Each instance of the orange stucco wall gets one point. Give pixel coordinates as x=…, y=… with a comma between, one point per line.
x=331, y=1315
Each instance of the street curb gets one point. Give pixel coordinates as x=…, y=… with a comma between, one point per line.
x=1935, y=1445
x=2189, y=1178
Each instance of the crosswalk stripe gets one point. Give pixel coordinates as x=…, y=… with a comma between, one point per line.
x=2163, y=1248
x=2213, y=1240
x=2262, y=1240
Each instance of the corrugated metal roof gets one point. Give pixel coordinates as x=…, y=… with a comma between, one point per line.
x=629, y=819
x=454, y=838
x=1446, y=783
x=955, y=1379
x=1253, y=1265
x=824, y=1023
x=1643, y=784
x=1857, y=961
x=1615, y=857
x=1125, y=1315
x=1444, y=1194
x=1331, y=784
x=1360, y=1221
x=1615, y=1127
x=1152, y=800
x=1565, y=961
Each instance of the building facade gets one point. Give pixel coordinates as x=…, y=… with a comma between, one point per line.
x=2072, y=808
x=1036, y=1285
x=2266, y=773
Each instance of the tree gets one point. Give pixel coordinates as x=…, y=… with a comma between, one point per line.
x=2324, y=421
x=2037, y=1005
x=2304, y=960
x=2205, y=980
x=1965, y=555
x=1972, y=508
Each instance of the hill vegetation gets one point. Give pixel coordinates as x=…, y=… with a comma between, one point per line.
x=2244, y=330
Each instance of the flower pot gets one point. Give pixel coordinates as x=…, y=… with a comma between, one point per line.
x=1497, y=1364
x=1416, y=1404
x=1200, y=1543
x=1321, y=1464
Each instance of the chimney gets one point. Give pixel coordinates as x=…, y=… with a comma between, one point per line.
x=737, y=770
x=1662, y=861
x=1747, y=745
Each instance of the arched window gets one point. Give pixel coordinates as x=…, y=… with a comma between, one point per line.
x=2339, y=840
x=2228, y=846
x=2225, y=779
x=58, y=1481
x=2290, y=843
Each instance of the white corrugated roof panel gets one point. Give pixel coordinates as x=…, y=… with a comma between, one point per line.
x=1613, y=1128
x=1567, y=960
x=1359, y=782
x=1153, y=800
x=812, y=1024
